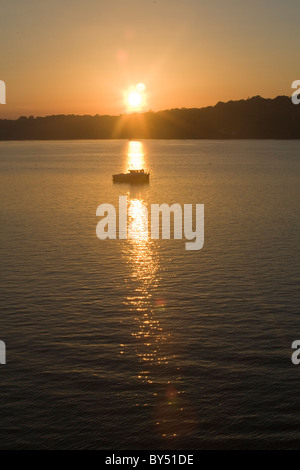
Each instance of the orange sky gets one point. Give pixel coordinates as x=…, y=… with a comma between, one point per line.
x=80, y=56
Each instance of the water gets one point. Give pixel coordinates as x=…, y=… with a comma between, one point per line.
x=140, y=344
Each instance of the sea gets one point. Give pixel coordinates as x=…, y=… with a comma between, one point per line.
x=139, y=343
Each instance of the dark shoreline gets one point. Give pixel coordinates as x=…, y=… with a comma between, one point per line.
x=254, y=118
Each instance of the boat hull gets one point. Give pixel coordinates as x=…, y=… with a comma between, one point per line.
x=131, y=179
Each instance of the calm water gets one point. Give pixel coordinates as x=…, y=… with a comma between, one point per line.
x=138, y=343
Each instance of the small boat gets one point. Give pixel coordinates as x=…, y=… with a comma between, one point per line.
x=132, y=177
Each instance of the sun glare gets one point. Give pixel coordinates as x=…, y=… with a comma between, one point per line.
x=135, y=156
x=140, y=87
x=135, y=97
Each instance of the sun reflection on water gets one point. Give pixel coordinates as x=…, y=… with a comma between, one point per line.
x=135, y=157
x=143, y=261
x=157, y=370
x=138, y=220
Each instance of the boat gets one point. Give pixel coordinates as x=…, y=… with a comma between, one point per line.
x=132, y=177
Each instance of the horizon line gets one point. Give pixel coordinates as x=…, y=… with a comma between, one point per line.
x=143, y=111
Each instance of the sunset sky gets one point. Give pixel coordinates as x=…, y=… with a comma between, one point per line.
x=81, y=56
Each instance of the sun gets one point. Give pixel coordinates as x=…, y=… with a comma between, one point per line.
x=135, y=97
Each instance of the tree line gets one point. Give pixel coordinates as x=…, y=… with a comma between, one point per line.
x=254, y=118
